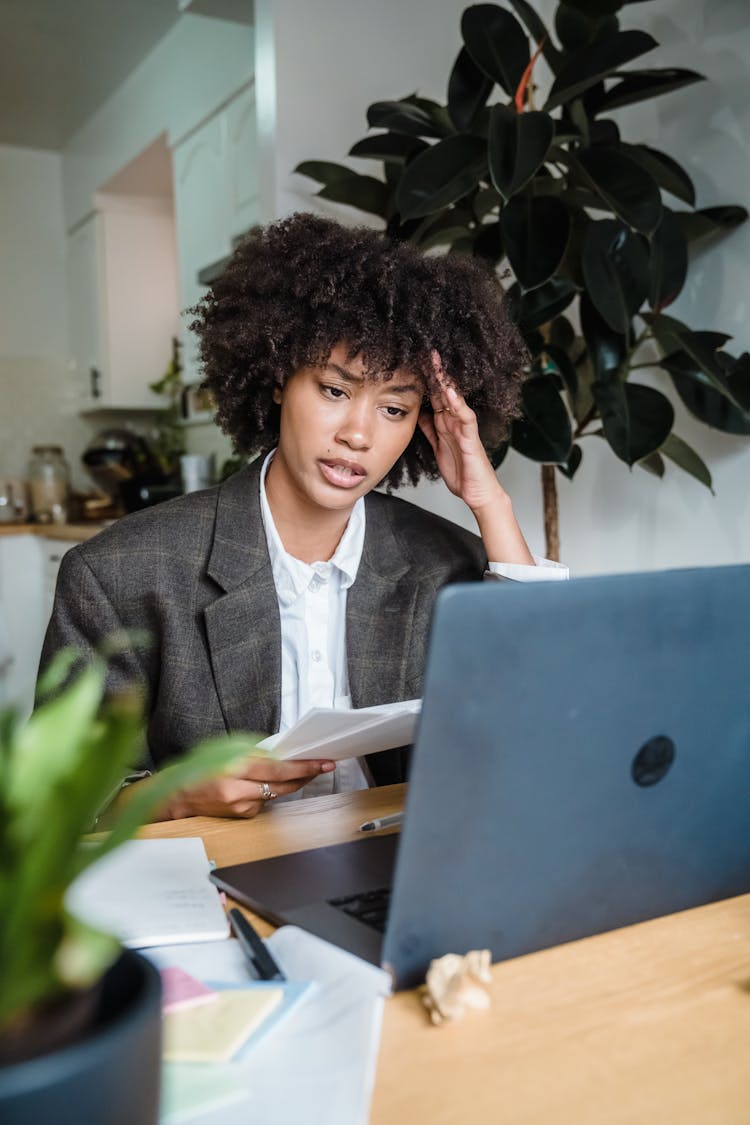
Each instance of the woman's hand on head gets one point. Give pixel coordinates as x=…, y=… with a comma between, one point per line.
x=452, y=431
x=241, y=794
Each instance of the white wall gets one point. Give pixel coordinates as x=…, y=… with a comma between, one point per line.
x=334, y=59
x=318, y=67
x=197, y=66
x=36, y=392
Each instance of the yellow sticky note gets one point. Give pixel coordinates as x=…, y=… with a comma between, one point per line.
x=215, y=1032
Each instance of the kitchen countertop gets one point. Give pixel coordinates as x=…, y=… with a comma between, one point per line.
x=71, y=532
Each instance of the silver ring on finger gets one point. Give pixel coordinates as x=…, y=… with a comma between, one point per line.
x=266, y=792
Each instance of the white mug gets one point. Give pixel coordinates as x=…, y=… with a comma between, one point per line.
x=197, y=470
x=14, y=500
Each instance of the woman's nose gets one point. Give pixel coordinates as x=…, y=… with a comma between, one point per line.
x=355, y=429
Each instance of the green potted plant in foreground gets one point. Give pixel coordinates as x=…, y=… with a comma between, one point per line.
x=79, y=1018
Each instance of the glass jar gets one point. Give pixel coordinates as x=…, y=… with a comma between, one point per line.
x=49, y=484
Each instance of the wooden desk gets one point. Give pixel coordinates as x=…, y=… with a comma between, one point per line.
x=646, y=1024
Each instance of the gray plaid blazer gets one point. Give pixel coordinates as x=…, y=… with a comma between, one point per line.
x=195, y=574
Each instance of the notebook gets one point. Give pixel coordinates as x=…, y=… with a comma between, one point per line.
x=151, y=892
x=582, y=762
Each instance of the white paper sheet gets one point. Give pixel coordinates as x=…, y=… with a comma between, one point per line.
x=151, y=892
x=329, y=733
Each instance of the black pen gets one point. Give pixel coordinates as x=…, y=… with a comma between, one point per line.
x=254, y=949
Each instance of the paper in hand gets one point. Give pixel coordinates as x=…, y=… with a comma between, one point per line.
x=339, y=734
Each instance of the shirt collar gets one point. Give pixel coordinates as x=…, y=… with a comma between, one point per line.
x=292, y=576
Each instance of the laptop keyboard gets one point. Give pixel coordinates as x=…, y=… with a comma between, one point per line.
x=370, y=908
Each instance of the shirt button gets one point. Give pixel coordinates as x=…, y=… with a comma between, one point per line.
x=315, y=654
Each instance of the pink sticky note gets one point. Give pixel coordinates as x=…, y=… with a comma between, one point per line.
x=180, y=990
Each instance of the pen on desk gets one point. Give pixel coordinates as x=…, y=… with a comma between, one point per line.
x=381, y=822
x=254, y=948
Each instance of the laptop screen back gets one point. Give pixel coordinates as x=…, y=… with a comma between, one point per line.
x=582, y=763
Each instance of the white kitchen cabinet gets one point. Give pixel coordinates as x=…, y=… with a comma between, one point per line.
x=123, y=302
x=53, y=551
x=28, y=573
x=243, y=181
x=24, y=612
x=216, y=199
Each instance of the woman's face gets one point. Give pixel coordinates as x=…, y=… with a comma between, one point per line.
x=340, y=432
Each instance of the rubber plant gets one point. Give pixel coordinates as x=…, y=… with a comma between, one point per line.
x=592, y=231
x=56, y=771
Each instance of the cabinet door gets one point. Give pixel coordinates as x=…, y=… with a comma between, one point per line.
x=23, y=616
x=200, y=194
x=216, y=199
x=123, y=305
x=243, y=204
x=139, y=256
x=85, y=312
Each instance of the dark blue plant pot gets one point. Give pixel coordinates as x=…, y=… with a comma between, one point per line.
x=111, y=1075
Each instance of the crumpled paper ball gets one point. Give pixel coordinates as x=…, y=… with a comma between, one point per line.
x=454, y=983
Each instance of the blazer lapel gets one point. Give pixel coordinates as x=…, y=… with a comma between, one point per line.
x=379, y=613
x=242, y=626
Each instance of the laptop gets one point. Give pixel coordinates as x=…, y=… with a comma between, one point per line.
x=582, y=762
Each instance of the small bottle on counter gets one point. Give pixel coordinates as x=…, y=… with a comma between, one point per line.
x=49, y=484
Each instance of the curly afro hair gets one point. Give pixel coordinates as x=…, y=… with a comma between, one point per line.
x=295, y=289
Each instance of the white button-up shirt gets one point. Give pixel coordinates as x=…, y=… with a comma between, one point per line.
x=312, y=609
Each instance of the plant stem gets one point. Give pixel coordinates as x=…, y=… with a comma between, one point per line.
x=589, y=417
x=551, y=521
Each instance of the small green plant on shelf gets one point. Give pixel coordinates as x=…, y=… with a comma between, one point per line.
x=166, y=434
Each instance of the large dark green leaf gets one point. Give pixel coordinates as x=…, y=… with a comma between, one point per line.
x=739, y=380
x=534, y=24
x=608, y=349
x=575, y=30
x=710, y=220
x=589, y=65
x=668, y=261
x=442, y=230
x=636, y=419
x=440, y=175
x=394, y=147
x=341, y=185
x=535, y=234
x=642, y=85
x=403, y=117
x=593, y=8
x=437, y=113
x=702, y=399
x=468, y=90
x=565, y=368
x=667, y=172
x=571, y=466
x=518, y=144
x=702, y=347
x=324, y=171
x=544, y=432
x=497, y=43
x=685, y=456
x=615, y=270
x=538, y=306
x=623, y=185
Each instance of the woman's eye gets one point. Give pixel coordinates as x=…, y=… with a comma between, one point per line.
x=334, y=392
x=395, y=412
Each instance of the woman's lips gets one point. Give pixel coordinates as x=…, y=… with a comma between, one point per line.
x=342, y=474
